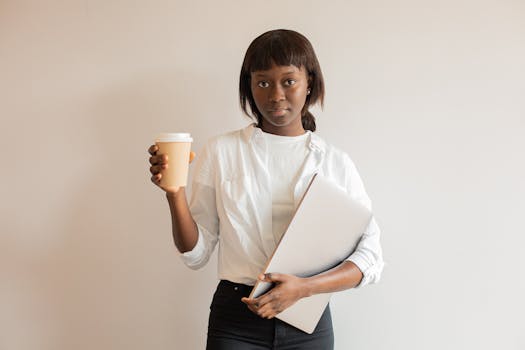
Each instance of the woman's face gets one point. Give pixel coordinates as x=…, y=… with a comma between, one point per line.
x=279, y=94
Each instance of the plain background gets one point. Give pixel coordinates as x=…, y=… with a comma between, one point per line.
x=427, y=97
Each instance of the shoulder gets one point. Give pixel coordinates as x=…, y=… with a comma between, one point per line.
x=232, y=137
x=223, y=146
x=213, y=155
x=341, y=169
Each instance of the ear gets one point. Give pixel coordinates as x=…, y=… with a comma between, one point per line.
x=309, y=86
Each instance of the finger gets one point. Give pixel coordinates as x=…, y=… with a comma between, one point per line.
x=272, y=308
x=267, y=311
x=268, y=315
x=156, y=169
x=252, y=309
x=250, y=304
x=273, y=277
x=192, y=156
x=265, y=299
x=153, y=149
x=158, y=159
x=270, y=303
x=156, y=179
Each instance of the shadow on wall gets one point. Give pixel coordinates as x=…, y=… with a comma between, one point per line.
x=117, y=280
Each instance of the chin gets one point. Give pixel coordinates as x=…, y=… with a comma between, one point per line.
x=278, y=121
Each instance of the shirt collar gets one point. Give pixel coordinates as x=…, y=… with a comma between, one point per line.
x=252, y=133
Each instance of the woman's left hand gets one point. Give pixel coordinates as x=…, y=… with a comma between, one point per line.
x=287, y=290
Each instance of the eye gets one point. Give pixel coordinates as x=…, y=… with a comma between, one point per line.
x=263, y=84
x=290, y=82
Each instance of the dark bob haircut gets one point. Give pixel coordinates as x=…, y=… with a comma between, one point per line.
x=284, y=48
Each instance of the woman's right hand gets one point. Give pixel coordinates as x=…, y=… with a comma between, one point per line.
x=159, y=162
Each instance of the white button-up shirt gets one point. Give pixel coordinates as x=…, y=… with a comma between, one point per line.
x=231, y=203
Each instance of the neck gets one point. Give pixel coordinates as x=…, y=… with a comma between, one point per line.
x=289, y=130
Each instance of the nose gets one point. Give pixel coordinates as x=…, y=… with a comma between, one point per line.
x=276, y=93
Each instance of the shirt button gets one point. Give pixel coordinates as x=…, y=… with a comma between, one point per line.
x=235, y=288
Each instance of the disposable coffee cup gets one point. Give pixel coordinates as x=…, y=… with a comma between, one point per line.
x=177, y=147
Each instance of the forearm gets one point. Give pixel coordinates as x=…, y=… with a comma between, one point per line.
x=184, y=228
x=344, y=276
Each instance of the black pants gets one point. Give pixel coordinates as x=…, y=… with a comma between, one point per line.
x=232, y=326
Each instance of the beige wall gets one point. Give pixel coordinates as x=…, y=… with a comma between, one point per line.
x=426, y=96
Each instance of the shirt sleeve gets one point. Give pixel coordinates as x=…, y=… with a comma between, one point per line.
x=368, y=255
x=203, y=208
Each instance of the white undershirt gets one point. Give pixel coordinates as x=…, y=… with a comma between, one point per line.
x=286, y=155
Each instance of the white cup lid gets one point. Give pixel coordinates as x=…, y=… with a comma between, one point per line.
x=174, y=137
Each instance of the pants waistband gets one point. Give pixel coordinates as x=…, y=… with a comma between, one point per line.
x=243, y=288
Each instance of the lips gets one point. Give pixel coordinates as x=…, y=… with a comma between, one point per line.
x=277, y=111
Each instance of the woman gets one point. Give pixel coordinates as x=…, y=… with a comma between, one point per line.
x=245, y=188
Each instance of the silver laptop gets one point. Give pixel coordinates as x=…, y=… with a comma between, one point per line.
x=324, y=231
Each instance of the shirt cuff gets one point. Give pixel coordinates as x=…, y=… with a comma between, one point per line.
x=192, y=258
x=371, y=271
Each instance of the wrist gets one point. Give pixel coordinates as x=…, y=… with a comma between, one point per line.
x=173, y=195
x=307, y=287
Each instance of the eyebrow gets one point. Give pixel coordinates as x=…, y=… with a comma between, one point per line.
x=264, y=75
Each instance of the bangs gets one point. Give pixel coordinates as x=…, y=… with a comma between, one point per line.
x=282, y=50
